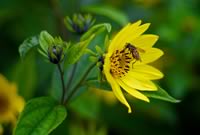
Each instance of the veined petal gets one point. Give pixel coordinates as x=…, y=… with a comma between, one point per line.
x=145, y=41
x=132, y=91
x=146, y=71
x=149, y=56
x=117, y=91
x=138, y=82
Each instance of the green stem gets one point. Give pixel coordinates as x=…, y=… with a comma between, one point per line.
x=80, y=82
x=62, y=81
x=71, y=76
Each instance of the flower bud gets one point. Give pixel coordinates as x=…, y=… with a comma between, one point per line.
x=55, y=54
x=101, y=60
x=79, y=23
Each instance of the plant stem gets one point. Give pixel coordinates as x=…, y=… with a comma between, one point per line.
x=71, y=76
x=63, y=84
x=80, y=82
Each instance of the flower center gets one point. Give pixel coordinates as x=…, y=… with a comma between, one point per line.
x=4, y=104
x=120, y=62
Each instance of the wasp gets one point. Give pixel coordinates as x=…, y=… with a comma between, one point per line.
x=134, y=51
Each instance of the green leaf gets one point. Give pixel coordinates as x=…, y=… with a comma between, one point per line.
x=98, y=84
x=74, y=53
x=160, y=94
x=110, y=12
x=96, y=29
x=45, y=40
x=87, y=106
x=106, y=42
x=27, y=45
x=40, y=117
x=99, y=50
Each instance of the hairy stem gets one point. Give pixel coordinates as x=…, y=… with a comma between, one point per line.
x=80, y=82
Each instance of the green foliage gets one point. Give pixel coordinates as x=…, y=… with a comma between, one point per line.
x=40, y=117
x=79, y=23
x=175, y=22
x=76, y=51
x=109, y=12
x=86, y=105
x=160, y=94
x=45, y=40
x=96, y=29
x=99, y=50
x=103, y=85
x=27, y=45
x=24, y=73
x=53, y=49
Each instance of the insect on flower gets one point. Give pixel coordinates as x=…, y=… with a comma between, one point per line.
x=131, y=46
x=134, y=51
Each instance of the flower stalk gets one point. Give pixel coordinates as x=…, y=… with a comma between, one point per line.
x=73, y=91
x=62, y=82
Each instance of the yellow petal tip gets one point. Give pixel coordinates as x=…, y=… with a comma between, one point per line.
x=148, y=101
x=129, y=110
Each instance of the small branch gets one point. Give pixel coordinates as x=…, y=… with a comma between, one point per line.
x=80, y=82
x=63, y=84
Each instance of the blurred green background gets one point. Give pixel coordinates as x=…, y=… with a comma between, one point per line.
x=177, y=22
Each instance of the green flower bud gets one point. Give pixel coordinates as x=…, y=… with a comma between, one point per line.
x=53, y=49
x=79, y=23
x=55, y=54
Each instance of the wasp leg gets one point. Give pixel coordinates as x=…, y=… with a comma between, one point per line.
x=133, y=63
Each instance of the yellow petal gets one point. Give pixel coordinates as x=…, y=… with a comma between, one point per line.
x=145, y=41
x=117, y=91
x=138, y=82
x=134, y=33
x=132, y=91
x=121, y=38
x=147, y=72
x=149, y=56
x=114, y=43
x=130, y=32
x=19, y=104
x=4, y=84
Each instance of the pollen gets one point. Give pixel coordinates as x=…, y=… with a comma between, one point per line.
x=120, y=63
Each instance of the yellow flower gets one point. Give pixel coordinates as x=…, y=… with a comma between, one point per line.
x=11, y=104
x=125, y=64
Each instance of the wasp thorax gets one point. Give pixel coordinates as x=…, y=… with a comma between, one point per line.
x=55, y=54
